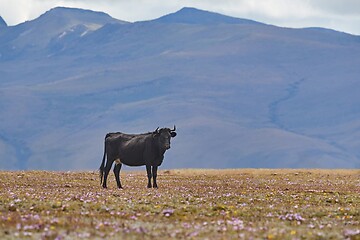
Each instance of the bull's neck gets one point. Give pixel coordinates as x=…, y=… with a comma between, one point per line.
x=158, y=149
x=161, y=151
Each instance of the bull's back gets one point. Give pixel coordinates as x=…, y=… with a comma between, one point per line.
x=129, y=148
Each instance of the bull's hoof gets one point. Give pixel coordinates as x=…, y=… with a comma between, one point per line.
x=155, y=186
x=149, y=185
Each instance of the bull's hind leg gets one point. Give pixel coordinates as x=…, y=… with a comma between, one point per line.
x=107, y=169
x=149, y=175
x=117, y=169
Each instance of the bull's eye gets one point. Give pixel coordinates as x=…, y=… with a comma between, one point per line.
x=165, y=138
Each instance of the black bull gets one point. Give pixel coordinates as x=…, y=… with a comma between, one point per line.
x=135, y=150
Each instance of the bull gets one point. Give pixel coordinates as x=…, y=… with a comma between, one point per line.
x=135, y=150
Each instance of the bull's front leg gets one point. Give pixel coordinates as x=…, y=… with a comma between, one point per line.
x=149, y=175
x=117, y=169
x=154, y=172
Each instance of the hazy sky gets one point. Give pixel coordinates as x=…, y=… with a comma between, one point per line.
x=342, y=15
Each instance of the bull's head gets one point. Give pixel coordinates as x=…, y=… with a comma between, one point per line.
x=163, y=136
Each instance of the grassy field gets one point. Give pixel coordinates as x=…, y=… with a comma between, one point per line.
x=189, y=204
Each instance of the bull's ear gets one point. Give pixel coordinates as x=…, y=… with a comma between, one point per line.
x=173, y=134
x=156, y=131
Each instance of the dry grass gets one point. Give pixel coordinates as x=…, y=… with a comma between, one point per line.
x=189, y=204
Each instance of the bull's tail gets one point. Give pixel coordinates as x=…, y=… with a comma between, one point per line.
x=102, y=166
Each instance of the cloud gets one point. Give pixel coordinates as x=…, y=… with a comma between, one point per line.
x=336, y=7
x=11, y=13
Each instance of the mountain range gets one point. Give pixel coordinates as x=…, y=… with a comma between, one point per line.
x=242, y=94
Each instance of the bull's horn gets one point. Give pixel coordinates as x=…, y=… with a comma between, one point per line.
x=157, y=130
x=174, y=129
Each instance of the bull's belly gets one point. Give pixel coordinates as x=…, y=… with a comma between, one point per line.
x=132, y=162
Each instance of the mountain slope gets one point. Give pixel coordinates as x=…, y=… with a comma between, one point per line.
x=2, y=23
x=241, y=95
x=33, y=36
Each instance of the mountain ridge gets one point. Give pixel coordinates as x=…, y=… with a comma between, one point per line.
x=60, y=22
x=190, y=15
